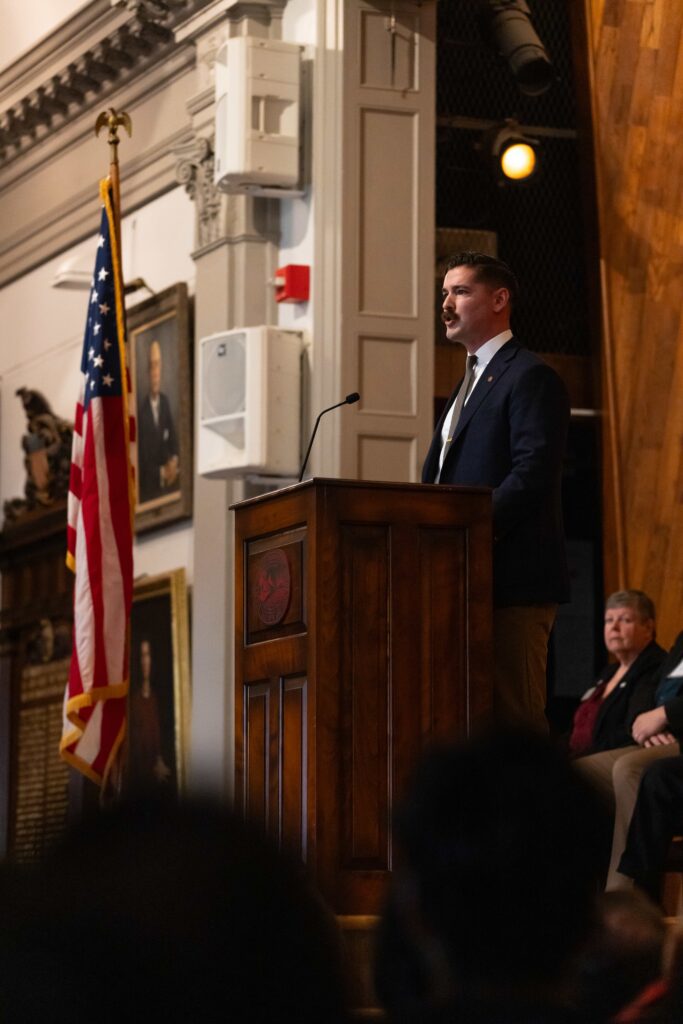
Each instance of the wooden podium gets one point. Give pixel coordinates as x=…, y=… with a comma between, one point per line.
x=363, y=630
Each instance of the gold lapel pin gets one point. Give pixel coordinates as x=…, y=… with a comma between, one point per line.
x=489, y=379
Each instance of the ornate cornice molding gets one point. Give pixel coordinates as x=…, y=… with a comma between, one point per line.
x=105, y=46
x=47, y=199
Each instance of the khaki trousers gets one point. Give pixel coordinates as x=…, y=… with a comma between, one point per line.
x=520, y=656
x=616, y=775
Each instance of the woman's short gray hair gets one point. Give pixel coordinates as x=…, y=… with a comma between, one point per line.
x=637, y=599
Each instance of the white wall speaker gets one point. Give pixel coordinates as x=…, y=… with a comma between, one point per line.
x=250, y=402
x=257, y=114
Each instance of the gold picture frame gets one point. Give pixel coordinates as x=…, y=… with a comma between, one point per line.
x=158, y=733
x=161, y=372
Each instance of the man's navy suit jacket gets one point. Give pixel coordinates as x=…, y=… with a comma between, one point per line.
x=511, y=437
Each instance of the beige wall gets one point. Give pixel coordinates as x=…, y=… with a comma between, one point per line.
x=21, y=32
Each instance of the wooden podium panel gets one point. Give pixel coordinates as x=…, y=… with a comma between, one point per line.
x=363, y=631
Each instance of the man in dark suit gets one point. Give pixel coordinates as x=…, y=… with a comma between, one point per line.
x=505, y=427
x=158, y=470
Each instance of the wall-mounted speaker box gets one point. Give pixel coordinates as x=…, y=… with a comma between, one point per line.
x=250, y=402
x=257, y=114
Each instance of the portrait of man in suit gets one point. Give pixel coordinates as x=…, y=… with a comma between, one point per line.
x=505, y=427
x=158, y=463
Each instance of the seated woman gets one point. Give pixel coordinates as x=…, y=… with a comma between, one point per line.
x=604, y=717
x=654, y=720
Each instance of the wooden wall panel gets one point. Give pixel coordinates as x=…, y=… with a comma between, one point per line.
x=276, y=758
x=365, y=698
x=444, y=641
x=293, y=765
x=635, y=59
x=257, y=740
x=36, y=799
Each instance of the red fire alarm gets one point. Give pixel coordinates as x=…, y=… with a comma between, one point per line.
x=292, y=283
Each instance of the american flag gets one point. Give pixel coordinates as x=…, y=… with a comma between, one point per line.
x=100, y=524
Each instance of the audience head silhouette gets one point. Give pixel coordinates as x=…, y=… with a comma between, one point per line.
x=623, y=955
x=497, y=876
x=186, y=911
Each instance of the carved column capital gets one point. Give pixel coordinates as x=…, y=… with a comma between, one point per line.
x=195, y=172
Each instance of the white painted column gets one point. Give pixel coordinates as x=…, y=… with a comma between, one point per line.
x=235, y=254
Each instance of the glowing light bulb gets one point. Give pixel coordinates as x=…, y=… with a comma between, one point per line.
x=518, y=161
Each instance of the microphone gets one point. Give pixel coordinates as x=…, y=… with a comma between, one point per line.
x=349, y=400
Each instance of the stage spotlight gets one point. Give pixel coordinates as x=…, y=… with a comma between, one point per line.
x=508, y=24
x=515, y=155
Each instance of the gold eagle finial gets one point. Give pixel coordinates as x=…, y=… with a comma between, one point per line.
x=113, y=120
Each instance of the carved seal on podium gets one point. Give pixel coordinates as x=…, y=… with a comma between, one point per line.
x=272, y=586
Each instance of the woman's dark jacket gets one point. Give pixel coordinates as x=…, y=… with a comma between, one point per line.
x=634, y=693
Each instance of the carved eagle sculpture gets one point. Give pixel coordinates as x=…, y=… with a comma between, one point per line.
x=47, y=451
x=34, y=403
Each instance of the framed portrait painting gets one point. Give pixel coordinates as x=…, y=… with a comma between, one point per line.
x=161, y=369
x=156, y=748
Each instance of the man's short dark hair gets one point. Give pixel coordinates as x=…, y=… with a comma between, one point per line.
x=489, y=269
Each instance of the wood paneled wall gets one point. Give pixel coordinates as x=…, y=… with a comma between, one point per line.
x=635, y=57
